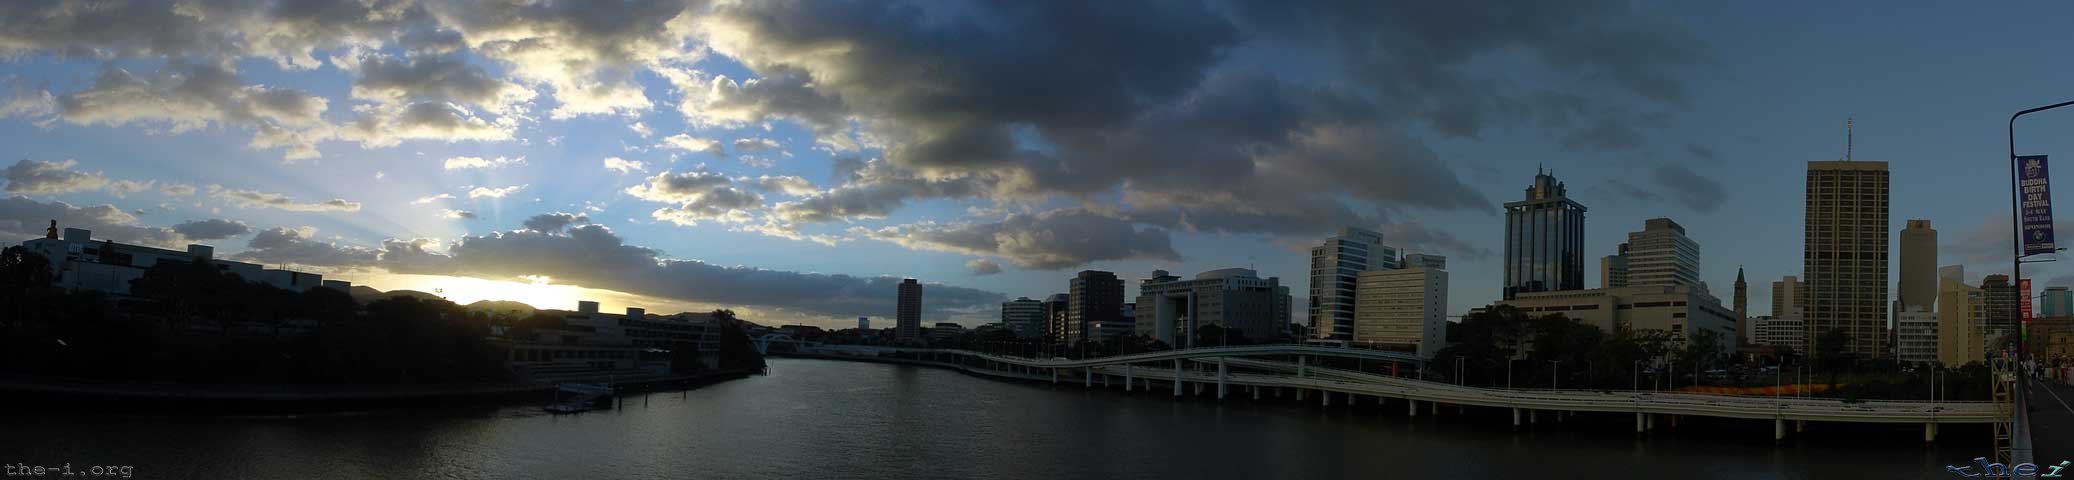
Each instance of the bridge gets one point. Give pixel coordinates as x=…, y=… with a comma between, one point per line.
x=1268, y=372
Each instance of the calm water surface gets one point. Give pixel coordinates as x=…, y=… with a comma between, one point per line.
x=827, y=419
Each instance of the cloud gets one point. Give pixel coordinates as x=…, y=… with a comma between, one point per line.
x=1701, y=152
x=182, y=97
x=28, y=101
x=24, y=218
x=624, y=166
x=1050, y=240
x=1694, y=191
x=457, y=215
x=698, y=196
x=1417, y=237
x=299, y=247
x=593, y=256
x=257, y=199
x=433, y=198
x=555, y=222
x=982, y=267
x=176, y=190
x=49, y=178
x=755, y=144
x=693, y=144
x=212, y=229
x=497, y=192
x=389, y=125
x=786, y=184
x=457, y=163
x=445, y=78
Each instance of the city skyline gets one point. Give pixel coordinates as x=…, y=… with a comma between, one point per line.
x=655, y=155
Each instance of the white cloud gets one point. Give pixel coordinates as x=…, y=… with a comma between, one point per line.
x=257, y=199
x=433, y=198
x=689, y=143
x=499, y=192
x=624, y=166
x=457, y=163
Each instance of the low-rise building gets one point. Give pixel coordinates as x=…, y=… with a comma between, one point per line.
x=945, y=331
x=1170, y=309
x=1788, y=331
x=595, y=343
x=1024, y=316
x=80, y=263
x=1682, y=310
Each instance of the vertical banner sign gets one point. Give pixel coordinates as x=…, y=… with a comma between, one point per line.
x=2036, y=206
x=2023, y=309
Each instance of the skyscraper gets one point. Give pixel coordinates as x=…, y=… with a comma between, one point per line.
x=1742, y=301
x=1094, y=298
x=1334, y=267
x=1404, y=309
x=1661, y=255
x=907, y=316
x=1845, y=254
x=1789, y=295
x=1918, y=267
x=2001, y=298
x=1544, y=240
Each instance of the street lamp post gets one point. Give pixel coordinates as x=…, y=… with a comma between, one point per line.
x=1638, y=376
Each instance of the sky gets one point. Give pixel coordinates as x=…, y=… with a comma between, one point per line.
x=794, y=160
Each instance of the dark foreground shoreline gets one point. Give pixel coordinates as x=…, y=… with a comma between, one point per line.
x=99, y=395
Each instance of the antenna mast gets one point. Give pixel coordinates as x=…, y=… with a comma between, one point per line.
x=1847, y=138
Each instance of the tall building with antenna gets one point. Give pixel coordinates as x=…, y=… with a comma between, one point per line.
x=1544, y=240
x=1844, y=254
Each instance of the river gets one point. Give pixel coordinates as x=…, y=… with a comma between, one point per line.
x=818, y=419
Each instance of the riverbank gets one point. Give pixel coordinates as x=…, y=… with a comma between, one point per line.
x=76, y=393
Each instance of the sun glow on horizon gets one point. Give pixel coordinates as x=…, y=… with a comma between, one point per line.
x=535, y=290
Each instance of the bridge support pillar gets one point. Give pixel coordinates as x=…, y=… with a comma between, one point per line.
x=1105, y=381
x=1515, y=417
x=1302, y=365
x=1433, y=408
x=1256, y=393
x=1220, y=378
x=1652, y=422
x=1533, y=416
x=1930, y=432
x=1127, y=377
x=1800, y=426
x=1779, y=430
x=1299, y=394
x=1177, y=379
x=1090, y=381
x=1411, y=407
x=1324, y=398
x=1640, y=423
x=1054, y=376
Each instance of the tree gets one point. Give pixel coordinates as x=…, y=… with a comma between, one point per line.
x=1832, y=351
x=24, y=276
x=735, y=348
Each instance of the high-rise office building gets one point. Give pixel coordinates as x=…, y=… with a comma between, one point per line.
x=1961, y=316
x=1024, y=316
x=1742, y=304
x=1661, y=255
x=1094, y=299
x=1544, y=240
x=2056, y=302
x=2001, y=298
x=1613, y=269
x=1334, y=265
x=1789, y=295
x=907, y=315
x=1918, y=266
x=864, y=325
x=1055, y=314
x=1403, y=309
x=1845, y=254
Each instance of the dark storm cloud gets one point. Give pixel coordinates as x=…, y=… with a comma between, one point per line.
x=1050, y=240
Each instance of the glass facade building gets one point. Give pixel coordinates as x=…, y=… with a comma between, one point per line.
x=1544, y=240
